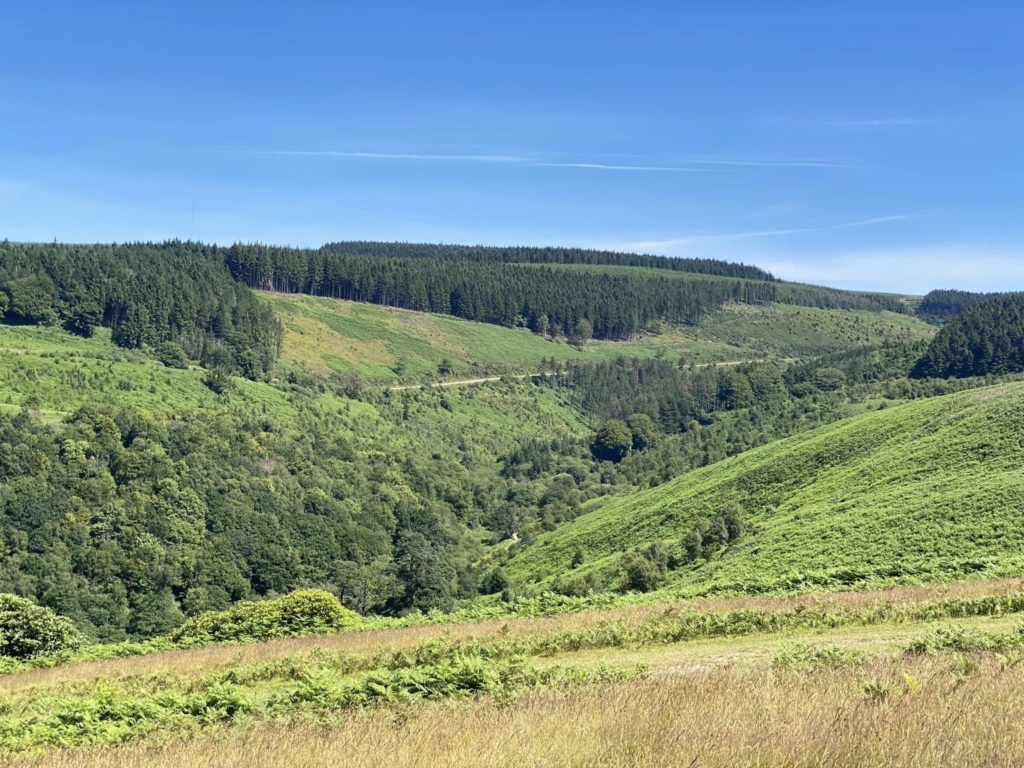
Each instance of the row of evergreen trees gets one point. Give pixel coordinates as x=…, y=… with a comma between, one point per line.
x=533, y=255
x=530, y=287
x=181, y=292
x=146, y=293
x=547, y=299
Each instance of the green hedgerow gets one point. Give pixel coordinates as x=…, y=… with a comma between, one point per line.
x=303, y=612
x=28, y=630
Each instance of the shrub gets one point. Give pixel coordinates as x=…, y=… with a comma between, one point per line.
x=217, y=381
x=644, y=569
x=645, y=432
x=28, y=630
x=877, y=690
x=304, y=612
x=829, y=379
x=494, y=581
x=172, y=355
x=576, y=586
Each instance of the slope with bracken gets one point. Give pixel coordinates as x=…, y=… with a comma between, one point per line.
x=929, y=489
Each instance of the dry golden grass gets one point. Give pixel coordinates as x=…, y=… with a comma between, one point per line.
x=715, y=717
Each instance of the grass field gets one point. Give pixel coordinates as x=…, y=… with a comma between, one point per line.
x=928, y=489
x=820, y=681
x=386, y=344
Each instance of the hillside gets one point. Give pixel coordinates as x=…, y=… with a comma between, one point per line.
x=109, y=459
x=928, y=489
x=175, y=296
x=325, y=336
x=986, y=338
x=613, y=296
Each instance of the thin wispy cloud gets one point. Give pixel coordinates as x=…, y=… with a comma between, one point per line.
x=675, y=242
x=692, y=165
x=616, y=167
x=883, y=122
x=808, y=163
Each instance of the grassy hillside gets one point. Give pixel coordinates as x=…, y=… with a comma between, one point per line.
x=931, y=488
x=56, y=372
x=793, y=331
x=385, y=344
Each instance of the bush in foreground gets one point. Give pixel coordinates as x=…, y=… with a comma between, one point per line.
x=304, y=612
x=28, y=630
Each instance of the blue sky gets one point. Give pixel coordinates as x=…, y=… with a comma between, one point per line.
x=869, y=144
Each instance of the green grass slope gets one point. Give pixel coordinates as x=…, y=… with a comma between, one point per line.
x=929, y=489
x=325, y=336
x=56, y=372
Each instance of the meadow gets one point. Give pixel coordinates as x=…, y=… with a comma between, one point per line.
x=840, y=679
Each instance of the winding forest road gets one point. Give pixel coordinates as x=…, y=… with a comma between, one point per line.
x=465, y=382
x=520, y=376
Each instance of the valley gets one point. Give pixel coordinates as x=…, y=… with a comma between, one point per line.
x=338, y=522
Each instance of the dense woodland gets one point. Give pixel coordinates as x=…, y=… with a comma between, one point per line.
x=125, y=523
x=531, y=255
x=147, y=294
x=943, y=305
x=986, y=338
x=549, y=300
x=128, y=523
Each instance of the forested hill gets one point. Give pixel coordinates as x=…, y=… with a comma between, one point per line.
x=171, y=293
x=195, y=295
x=545, y=298
x=549, y=293
x=943, y=305
x=533, y=255
x=987, y=338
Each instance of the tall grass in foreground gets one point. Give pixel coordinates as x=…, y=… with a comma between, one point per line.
x=899, y=712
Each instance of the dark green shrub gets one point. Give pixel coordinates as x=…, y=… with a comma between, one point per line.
x=692, y=545
x=28, y=630
x=304, y=612
x=172, y=355
x=494, y=581
x=716, y=535
x=828, y=379
x=644, y=569
x=576, y=586
x=217, y=381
